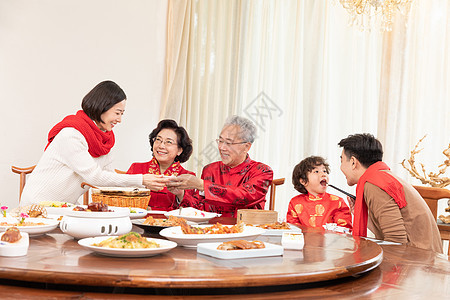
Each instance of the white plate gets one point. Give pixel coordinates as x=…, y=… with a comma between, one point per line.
x=211, y=250
x=37, y=229
x=191, y=240
x=138, y=214
x=60, y=211
x=192, y=214
x=156, y=212
x=279, y=232
x=19, y=248
x=119, y=252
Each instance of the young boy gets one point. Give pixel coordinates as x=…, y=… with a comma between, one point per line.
x=315, y=207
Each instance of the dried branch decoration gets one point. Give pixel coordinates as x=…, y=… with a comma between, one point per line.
x=433, y=179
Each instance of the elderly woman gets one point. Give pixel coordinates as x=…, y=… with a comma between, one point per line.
x=171, y=146
x=235, y=182
x=78, y=150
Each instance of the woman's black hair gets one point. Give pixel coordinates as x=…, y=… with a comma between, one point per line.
x=101, y=98
x=183, y=139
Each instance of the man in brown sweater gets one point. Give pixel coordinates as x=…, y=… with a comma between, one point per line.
x=391, y=208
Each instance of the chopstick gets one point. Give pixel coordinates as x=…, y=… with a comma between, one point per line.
x=342, y=191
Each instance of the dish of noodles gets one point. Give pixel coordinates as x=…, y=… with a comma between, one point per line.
x=131, y=240
x=128, y=245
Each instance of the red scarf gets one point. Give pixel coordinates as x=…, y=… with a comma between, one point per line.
x=99, y=142
x=384, y=181
x=174, y=169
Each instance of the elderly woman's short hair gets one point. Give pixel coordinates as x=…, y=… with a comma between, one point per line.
x=248, y=129
x=183, y=139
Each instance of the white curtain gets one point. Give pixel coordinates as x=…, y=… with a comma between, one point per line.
x=306, y=79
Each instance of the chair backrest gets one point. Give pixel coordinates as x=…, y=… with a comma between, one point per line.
x=431, y=195
x=120, y=171
x=23, y=172
x=23, y=176
x=273, y=187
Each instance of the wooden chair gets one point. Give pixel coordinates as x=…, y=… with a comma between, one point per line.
x=432, y=195
x=273, y=187
x=23, y=172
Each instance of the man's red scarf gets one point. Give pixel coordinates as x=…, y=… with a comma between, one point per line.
x=99, y=142
x=384, y=181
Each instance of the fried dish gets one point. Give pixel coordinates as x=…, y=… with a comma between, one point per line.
x=215, y=229
x=11, y=235
x=445, y=219
x=241, y=245
x=131, y=240
x=37, y=211
x=171, y=221
x=276, y=225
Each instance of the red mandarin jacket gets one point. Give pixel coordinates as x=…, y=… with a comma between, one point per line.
x=228, y=189
x=312, y=211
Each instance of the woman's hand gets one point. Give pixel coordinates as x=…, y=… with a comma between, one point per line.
x=154, y=182
x=185, y=182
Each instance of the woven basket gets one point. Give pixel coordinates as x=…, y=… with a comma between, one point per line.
x=122, y=201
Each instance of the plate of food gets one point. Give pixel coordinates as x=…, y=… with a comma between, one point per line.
x=153, y=225
x=239, y=249
x=57, y=207
x=131, y=244
x=32, y=226
x=192, y=214
x=137, y=213
x=278, y=228
x=13, y=242
x=190, y=236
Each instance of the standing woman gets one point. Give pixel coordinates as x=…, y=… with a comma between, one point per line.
x=78, y=150
x=171, y=146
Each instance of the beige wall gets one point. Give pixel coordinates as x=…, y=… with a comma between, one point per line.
x=53, y=52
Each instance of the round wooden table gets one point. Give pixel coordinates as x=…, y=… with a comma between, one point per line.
x=57, y=258
x=330, y=264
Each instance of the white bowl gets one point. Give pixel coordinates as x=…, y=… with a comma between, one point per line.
x=82, y=224
x=19, y=248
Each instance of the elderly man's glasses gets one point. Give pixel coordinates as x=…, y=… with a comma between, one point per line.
x=157, y=140
x=221, y=142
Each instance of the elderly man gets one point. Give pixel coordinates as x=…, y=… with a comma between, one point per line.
x=392, y=209
x=235, y=182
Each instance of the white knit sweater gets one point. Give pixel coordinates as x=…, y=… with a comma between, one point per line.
x=65, y=165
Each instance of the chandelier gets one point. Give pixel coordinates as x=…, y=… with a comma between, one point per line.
x=362, y=11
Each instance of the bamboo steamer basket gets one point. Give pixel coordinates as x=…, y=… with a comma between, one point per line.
x=121, y=196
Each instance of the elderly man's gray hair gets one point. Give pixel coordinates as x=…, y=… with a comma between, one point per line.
x=248, y=129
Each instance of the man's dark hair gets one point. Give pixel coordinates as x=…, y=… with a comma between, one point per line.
x=101, y=98
x=302, y=169
x=183, y=139
x=364, y=147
